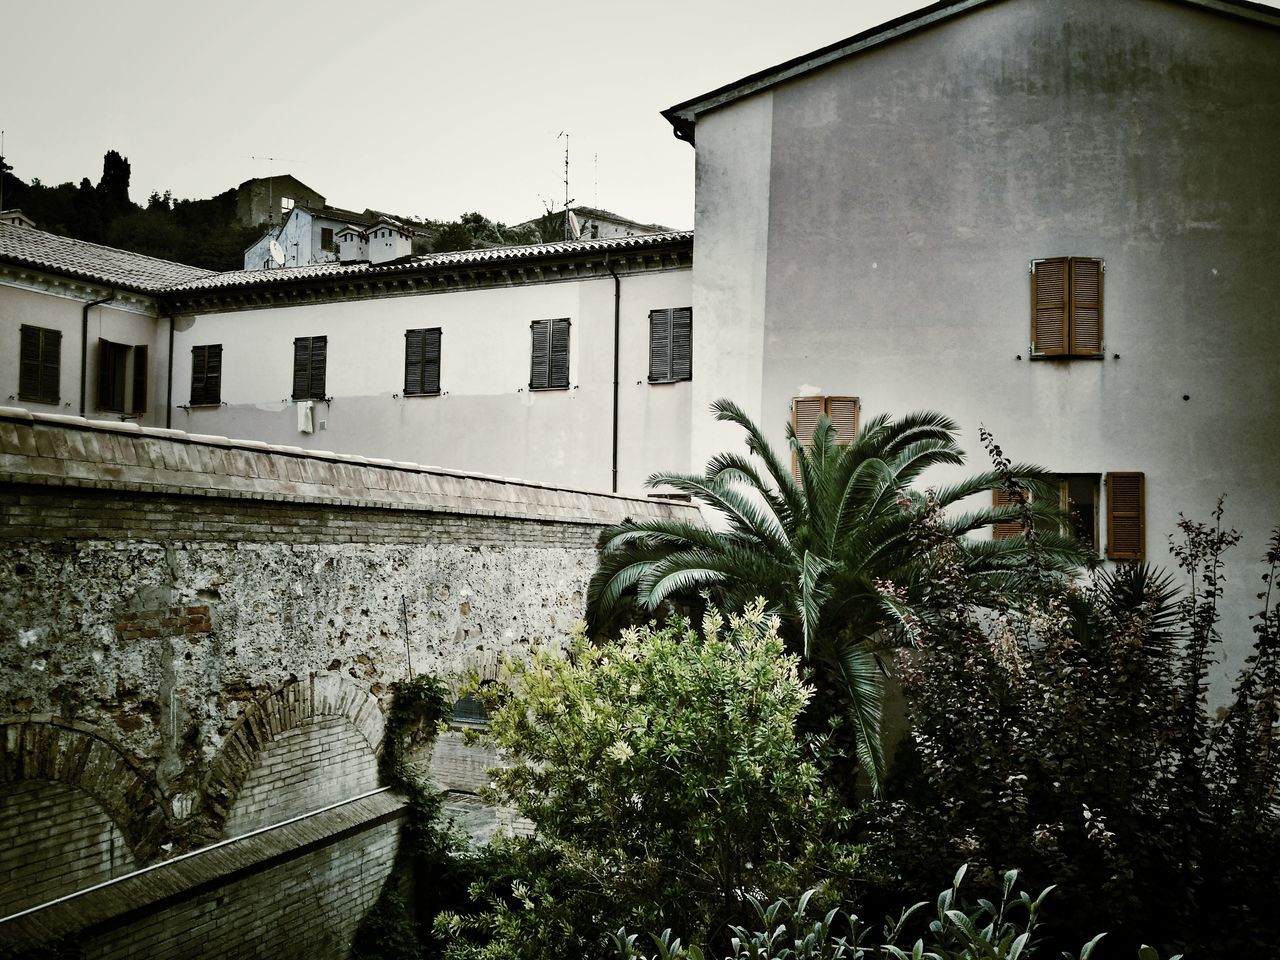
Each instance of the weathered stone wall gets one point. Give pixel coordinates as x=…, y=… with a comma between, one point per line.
x=188, y=623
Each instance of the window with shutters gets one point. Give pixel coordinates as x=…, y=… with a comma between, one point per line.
x=1126, y=520
x=206, y=375
x=122, y=377
x=549, y=369
x=671, y=345
x=422, y=362
x=843, y=413
x=1077, y=499
x=309, y=367
x=40, y=364
x=1066, y=307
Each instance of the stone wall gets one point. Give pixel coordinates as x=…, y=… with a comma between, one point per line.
x=192, y=623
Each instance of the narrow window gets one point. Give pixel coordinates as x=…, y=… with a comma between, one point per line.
x=843, y=412
x=113, y=360
x=671, y=345
x=1126, y=509
x=549, y=366
x=1066, y=307
x=206, y=375
x=422, y=362
x=40, y=364
x=309, y=367
x=326, y=238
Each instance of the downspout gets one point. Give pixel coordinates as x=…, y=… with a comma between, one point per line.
x=168, y=380
x=617, y=330
x=84, y=344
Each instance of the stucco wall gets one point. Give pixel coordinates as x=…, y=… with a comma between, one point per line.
x=911, y=184
x=486, y=419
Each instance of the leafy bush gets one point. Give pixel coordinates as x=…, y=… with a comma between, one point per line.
x=666, y=782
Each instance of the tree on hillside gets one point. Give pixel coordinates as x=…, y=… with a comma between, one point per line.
x=843, y=554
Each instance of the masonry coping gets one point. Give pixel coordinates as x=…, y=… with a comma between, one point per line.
x=57, y=450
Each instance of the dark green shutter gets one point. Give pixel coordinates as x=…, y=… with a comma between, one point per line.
x=213, y=373
x=431, y=361
x=139, y=379
x=413, y=361
x=309, y=354
x=659, y=346
x=39, y=364
x=682, y=343
x=199, y=375
x=540, y=365
x=559, y=353
x=319, y=349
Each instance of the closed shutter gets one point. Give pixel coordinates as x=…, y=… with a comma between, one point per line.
x=540, y=362
x=843, y=414
x=1049, y=307
x=309, y=357
x=1086, y=307
x=559, y=353
x=431, y=361
x=413, y=340
x=139, y=379
x=206, y=374
x=805, y=412
x=659, y=346
x=39, y=364
x=1126, y=535
x=682, y=343
x=1002, y=497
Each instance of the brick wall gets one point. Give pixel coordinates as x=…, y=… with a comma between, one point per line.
x=54, y=839
x=319, y=762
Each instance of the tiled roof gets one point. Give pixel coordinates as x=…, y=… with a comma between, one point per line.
x=92, y=261
x=527, y=252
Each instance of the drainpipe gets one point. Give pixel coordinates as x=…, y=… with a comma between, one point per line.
x=84, y=344
x=168, y=379
x=617, y=328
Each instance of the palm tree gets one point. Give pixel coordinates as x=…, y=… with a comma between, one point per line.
x=842, y=555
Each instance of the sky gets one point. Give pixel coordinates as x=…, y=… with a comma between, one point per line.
x=425, y=109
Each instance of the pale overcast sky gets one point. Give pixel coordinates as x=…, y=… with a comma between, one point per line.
x=424, y=108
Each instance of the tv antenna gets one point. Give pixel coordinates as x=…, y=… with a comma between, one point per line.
x=567, y=233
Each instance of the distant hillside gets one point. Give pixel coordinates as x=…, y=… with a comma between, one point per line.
x=203, y=233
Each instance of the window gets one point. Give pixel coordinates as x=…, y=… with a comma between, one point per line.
x=122, y=377
x=841, y=411
x=671, y=345
x=422, y=362
x=286, y=205
x=1077, y=499
x=326, y=238
x=206, y=375
x=549, y=369
x=1066, y=307
x=1126, y=508
x=308, y=367
x=40, y=364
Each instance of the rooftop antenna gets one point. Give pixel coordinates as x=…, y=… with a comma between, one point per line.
x=595, y=186
x=1, y=169
x=567, y=234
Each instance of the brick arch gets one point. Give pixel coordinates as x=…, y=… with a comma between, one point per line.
x=79, y=755
x=296, y=701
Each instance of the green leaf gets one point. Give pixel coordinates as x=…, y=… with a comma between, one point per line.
x=1087, y=950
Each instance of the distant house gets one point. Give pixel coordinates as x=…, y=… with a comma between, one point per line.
x=591, y=223
x=307, y=235
x=270, y=200
x=1055, y=219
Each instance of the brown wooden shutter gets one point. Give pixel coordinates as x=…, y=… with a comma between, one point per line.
x=1001, y=497
x=139, y=379
x=1086, y=307
x=111, y=372
x=199, y=364
x=413, y=341
x=39, y=364
x=682, y=343
x=213, y=373
x=319, y=360
x=559, y=374
x=805, y=412
x=1126, y=509
x=843, y=414
x=659, y=346
x=540, y=365
x=431, y=361
x=302, y=368
x=1049, y=307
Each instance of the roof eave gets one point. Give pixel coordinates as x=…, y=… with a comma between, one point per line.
x=683, y=117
